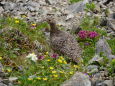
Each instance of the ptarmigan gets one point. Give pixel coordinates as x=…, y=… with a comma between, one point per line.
x=64, y=42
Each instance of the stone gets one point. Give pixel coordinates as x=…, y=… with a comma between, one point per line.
x=51, y=1
x=1, y=67
x=108, y=82
x=6, y=81
x=1, y=10
x=92, y=69
x=100, y=84
x=9, y=6
x=76, y=7
x=103, y=46
x=69, y=16
x=78, y=79
x=75, y=29
x=111, y=21
x=12, y=79
x=96, y=58
x=97, y=8
x=1, y=84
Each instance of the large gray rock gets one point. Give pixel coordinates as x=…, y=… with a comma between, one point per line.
x=108, y=82
x=9, y=6
x=1, y=10
x=1, y=84
x=1, y=67
x=111, y=21
x=78, y=79
x=77, y=7
x=103, y=46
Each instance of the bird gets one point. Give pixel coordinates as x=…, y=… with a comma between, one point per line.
x=63, y=42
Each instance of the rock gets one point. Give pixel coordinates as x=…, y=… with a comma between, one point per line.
x=1, y=80
x=76, y=7
x=97, y=8
x=6, y=81
x=114, y=81
x=103, y=46
x=12, y=79
x=103, y=22
x=1, y=84
x=51, y=1
x=92, y=69
x=108, y=82
x=1, y=67
x=9, y=6
x=33, y=6
x=69, y=16
x=78, y=79
x=99, y=83
x=111, y=21
x=75, y=29
x=96, y=58
x=1, y=10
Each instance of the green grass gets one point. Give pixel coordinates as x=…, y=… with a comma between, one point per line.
x=91, y=24
x=112, y=45
x=90, y=6
x=42, y=70
x=17, y=52
x=16, y=47
x=74, y=1
x=25, y=29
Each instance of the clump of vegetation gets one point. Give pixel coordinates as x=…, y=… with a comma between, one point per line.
x=18, y=36
x=17, y=41
x=43, y=70
x=112, y=45
x=74, y=1
x=90, y=6
x=111, y=67
x=89, y=35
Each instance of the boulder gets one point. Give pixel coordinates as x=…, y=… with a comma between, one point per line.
x=78, y=79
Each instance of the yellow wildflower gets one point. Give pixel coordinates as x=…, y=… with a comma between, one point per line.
x=61, y=57
x=24, y=16
x=76, y=66
x=33, y=24
x=9, y=70
x=39, y=78
x=17, y=21
x=48, y=60
x=1, y=58
x=59, y=60
x=61, y=72
x=45, y=79
x=71, y=72
x=54, y=72
x=46, y=53
x=51, y=68
x=65, y=62
x=55, y=75
x=15, y=17
x=19, y=82
x=42, y=67
x=2, y=69
x=30, y=79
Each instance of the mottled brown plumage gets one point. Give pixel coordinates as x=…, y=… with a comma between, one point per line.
x=64, y=42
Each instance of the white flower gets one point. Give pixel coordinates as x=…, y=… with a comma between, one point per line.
x=32, y=56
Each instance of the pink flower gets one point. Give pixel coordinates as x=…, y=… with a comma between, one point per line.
x=41, y=57
x=87, y=34
x=83, y=34
x=54, y=55
x=92, y=34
